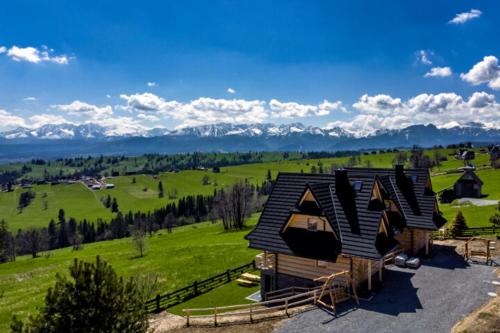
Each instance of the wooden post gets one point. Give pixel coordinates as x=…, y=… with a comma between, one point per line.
x=488, y=253
x=158, y=303
x=228, y=275
x=253, y=265
x=369, y=275
x=215, y=316
x=187, y=318
x=286, y=307
x=381, y=267
x=466, y=251
x=251, y=317
x=315, y=299
x=427, y=240
x=195, y=287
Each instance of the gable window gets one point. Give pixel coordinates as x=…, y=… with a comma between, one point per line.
x=312, y=224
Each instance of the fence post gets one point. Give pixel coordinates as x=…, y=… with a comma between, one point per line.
x=195, y=287
x=187, y=318
x=158, y=303
x=286, y=307
x=251, y=317
x=253, y=265
x=215, y=316
x=228, y=273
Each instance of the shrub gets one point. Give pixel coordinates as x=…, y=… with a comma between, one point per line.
x=94, y=299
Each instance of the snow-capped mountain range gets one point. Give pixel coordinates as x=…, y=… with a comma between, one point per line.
x=53, y=141
x=94, y=131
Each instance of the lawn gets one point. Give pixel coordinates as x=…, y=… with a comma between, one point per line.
x=189, y=253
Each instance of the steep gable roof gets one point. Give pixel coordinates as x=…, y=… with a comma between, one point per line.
x=347, y=210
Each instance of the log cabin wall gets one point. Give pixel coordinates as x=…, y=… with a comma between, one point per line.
x=311, y=269
x=413, y=246
x=301, y=221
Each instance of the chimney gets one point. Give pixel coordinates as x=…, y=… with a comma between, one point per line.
x=400, y=172
x=341, y=180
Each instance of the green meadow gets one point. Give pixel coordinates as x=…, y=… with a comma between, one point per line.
x=187, y=254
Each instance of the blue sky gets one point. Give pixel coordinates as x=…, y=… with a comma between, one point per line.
x=361, y=65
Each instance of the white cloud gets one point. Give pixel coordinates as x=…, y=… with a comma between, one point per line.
x=231, y=90
x=44, y=119
x=30, y=99
x=3, y=49
x=10, y=121
x=78, y=108
x=423, y=56
x=439, y=72
x=108, y=96
x=443, y=110
x=485, y=71
x=34, y=55
x=148, y=102
x=378, y=104
x=296, y=110
x=152, y=84
x=467, y=16
x=148, y=117
x=118, y=126
x=210, y=111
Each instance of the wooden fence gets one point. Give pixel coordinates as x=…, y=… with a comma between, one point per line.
x=161, y=302
x=470, y=232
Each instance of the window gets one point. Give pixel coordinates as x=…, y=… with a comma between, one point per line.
x=321, y=263
x=413, y=179
x=312, y=225
x=357, y=185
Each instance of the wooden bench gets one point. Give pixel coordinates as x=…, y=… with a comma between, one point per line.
x=250, y=277
x=245, y=283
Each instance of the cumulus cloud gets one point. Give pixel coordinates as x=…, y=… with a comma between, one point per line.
x=152, y=84
x=45, y=118
x=231, y=90
x=443, y=110
x=78, y=108
x=485, y=71
x=3, y=49
x=297, y=110
x=423, y=56
x=148, y=102
x=439, y=72
x=10, y=121
x=461, y=18
x=34, y=55
x=210, y=111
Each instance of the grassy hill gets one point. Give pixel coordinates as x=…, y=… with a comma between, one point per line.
x=80, y=202
x=187, y=254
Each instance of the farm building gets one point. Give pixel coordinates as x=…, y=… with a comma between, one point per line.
x=469, y=185
x=314, y=225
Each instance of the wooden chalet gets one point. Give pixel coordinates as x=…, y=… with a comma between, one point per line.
x=469, y=185
x=314, y=225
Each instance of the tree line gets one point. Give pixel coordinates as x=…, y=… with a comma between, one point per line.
x=231, y=205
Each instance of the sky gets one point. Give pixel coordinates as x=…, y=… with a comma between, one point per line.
x=359, y=65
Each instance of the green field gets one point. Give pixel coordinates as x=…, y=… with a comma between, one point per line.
x=189, y=253
x=80, y=202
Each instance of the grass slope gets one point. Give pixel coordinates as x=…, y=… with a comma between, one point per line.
x=188, y=254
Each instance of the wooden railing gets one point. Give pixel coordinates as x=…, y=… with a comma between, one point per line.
x=469, y=232
x=251, y=310
x=285, y=292
x=161, y=302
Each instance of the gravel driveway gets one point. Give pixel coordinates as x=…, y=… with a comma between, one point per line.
x=430, y=299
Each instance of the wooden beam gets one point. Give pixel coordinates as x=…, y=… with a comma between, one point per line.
x=369, y=275
x=427, y=240
x=381, y=267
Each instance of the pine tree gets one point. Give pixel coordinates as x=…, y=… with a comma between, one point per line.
x=459, y=225
x=114, y=206
x=160, y=190
x=93, y=299
x=7, y=248
x=52, y=231
x=269, y=176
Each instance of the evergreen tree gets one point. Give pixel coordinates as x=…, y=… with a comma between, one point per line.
x=62, y=238
x=93, y=299
x=160, y=190
x=269, y=176
x=7, y=245
x=61, y=216
x=114, y=206
x=52, y=231
x=459, y=225
x=107, y=202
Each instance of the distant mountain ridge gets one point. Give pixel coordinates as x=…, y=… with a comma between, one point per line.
x=51, y=141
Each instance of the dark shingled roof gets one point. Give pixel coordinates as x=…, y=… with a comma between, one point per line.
x=470, y=175
x=347, y=211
